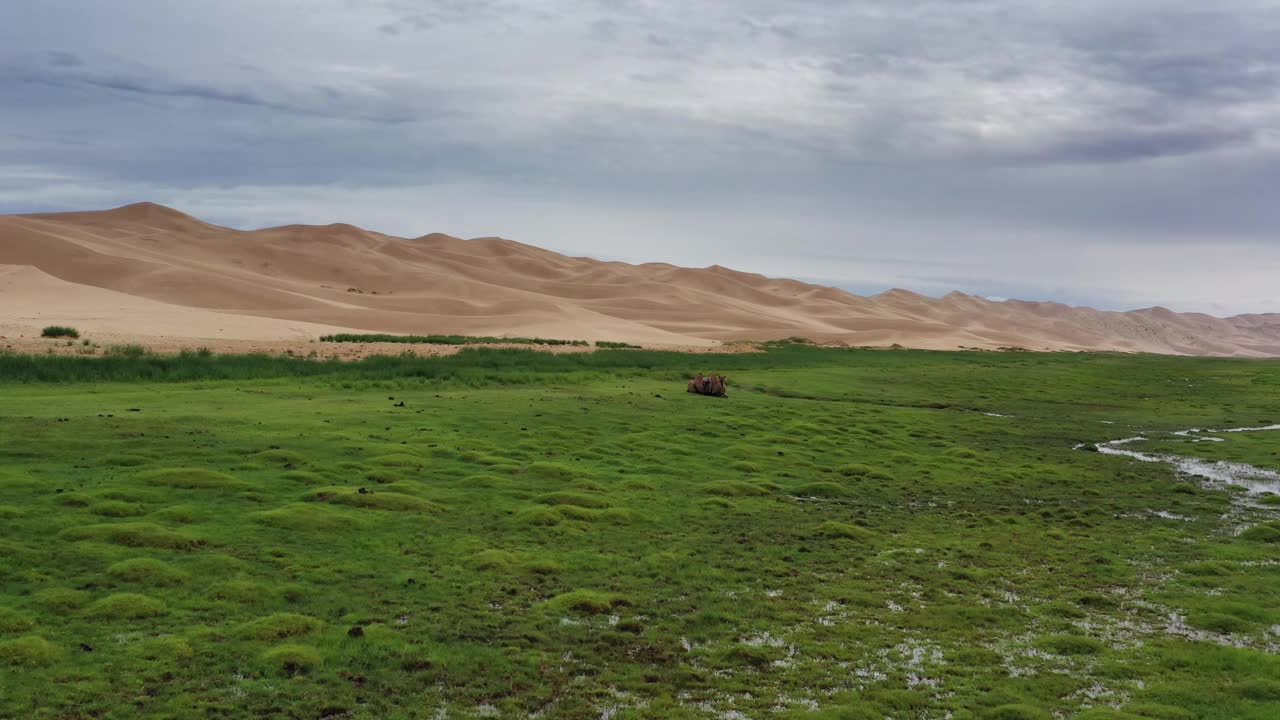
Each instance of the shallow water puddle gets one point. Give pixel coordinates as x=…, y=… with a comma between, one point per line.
x=1216, y=472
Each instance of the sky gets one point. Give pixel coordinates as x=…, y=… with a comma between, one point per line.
x=1116, y=153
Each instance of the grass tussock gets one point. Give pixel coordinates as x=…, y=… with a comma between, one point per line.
x=116, y=508
x=165, y=649
x=734, y=488
x=134, y=534
x=1266, y=533
x=147, y=571
x=1071, y=645
x=126, y=606
x=279, y=626
x=292, y=659
x=306, y=477
x=60, y=601
x=401, y=460
x=14, y=621
x=373, y=500
x=126, y=460
x=506, y=561
x=590, y=602
x=241, y=591
x=189, y=479
x=276, y=456
x=575, y=499
x=821, y=490
x=842, y=531
x=303, y=517
x=29, y=652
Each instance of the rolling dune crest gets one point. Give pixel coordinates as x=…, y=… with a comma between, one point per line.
x=151, y=270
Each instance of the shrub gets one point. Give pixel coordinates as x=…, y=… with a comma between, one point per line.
x=59, y=331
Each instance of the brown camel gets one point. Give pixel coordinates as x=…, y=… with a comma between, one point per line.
x=714, y=385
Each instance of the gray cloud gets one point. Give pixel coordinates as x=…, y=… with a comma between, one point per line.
x=892, y=139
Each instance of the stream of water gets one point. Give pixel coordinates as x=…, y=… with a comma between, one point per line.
x=1215, y=472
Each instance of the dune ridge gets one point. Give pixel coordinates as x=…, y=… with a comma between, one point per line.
x=149, y=270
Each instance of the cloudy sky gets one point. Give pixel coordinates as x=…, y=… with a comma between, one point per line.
x=1120, y=153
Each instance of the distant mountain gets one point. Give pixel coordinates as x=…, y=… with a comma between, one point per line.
x=340, y=276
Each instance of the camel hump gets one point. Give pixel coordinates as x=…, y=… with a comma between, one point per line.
x=713, y=385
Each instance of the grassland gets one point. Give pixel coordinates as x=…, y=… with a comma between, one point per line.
x=574, y=536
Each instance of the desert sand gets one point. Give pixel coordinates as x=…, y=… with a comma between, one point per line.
x=150, y=274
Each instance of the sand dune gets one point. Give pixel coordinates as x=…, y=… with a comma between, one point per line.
x=148, y=270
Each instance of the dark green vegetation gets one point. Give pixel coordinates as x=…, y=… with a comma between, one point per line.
x=59, y=331
x=616, y=345
x=446, y=339
x=575, y=536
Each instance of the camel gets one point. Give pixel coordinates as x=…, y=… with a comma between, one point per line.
x=714, y=385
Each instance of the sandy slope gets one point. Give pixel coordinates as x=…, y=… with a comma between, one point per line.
x=148, y=270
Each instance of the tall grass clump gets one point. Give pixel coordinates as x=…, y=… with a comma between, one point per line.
x=127, y=351
x=60, y=331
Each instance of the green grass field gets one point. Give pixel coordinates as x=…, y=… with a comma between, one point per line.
x=846, y=536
